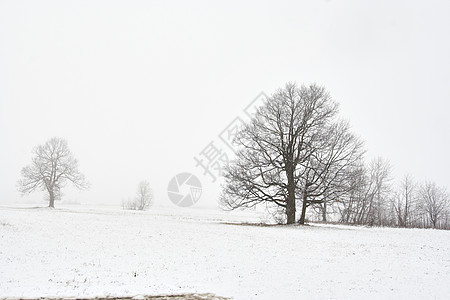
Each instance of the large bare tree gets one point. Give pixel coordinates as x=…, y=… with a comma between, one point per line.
x=53, y=166
x=293, y=149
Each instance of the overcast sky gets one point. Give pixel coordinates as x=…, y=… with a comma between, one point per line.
x=138, y=88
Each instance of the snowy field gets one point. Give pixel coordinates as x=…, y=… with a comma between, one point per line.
x=87, y=252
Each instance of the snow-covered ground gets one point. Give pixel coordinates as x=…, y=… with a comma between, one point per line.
x=76, y=251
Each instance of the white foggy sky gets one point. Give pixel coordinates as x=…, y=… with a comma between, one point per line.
x=138, y=88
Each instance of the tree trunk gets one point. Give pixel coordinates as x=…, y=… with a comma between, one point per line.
x=302, y=218
x=52, y=199
x=290, y=205
x=324, y=212
x=290, y=210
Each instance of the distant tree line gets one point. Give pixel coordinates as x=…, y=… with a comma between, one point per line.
x=372, y=198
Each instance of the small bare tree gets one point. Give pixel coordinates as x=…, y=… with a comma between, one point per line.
x=434, y=200
x=144, y=195
x=129, y=203
x=52, y=167
x=404, y=201
x=143, y=199
x=380, y=181
x=365, y=200
x=352, y=203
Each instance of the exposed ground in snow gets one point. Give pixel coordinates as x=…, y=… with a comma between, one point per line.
x=81, y=252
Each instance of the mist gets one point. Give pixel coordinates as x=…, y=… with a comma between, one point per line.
x=139, y=89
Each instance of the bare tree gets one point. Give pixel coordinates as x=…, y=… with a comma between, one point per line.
x=324, y=176
x=144, y=195
x=366, y=200
x=129, y=203
x=379, y=192
x=352, y=202
x=404, y=201
x=143, y=199
x=52, y=167
x=292, y=150
x=434, y=200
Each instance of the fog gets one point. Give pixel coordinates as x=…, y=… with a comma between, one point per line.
x=140, y=88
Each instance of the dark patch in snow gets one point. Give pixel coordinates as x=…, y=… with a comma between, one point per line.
x=207, y=296
x=264, y=224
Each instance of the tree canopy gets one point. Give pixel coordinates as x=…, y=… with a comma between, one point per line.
x=295, y=150
x=53, y=166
